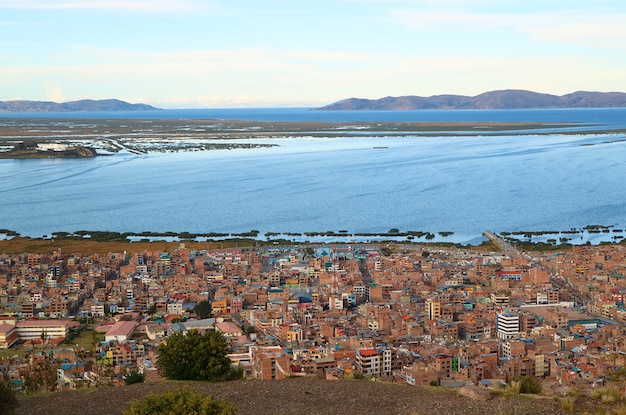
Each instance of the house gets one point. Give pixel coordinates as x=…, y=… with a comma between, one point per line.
x=200, y=325
x=154, y=331
x=228, y=329
x=121, y=331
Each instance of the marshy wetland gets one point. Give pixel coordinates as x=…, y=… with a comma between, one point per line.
x=148, y=136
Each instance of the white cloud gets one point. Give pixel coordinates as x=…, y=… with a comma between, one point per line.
x=208, y=56
x=139, y=5
x=597, y=30
x=594, y=31
x=443, y=20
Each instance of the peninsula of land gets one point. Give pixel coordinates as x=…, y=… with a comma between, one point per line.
x=48, y=150
x=502, y=99
x=71, y=137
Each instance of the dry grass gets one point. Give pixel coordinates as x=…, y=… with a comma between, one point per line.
x=89, y=247
x=607, y=395
x=567, y=404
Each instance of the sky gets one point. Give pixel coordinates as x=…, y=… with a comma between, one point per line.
x=305, y=53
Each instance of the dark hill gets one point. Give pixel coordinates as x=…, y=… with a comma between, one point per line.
x=504, y=99
x=74, y=106
x=296, y=396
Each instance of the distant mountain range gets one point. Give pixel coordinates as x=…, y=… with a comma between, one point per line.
x=73, y=106
x=505, y=99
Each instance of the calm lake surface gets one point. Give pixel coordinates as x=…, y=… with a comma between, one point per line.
x=466, y=185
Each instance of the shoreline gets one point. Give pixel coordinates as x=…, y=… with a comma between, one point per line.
x=13, y=242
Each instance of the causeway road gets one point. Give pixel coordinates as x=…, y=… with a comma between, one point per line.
x=504, y=245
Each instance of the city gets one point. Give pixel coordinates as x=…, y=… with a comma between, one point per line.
x=421, y=314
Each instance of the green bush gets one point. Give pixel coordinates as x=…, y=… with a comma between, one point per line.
x=134, y=377
x=180, y=401
x=529, y=385
x=8, y=399
x=236, y=373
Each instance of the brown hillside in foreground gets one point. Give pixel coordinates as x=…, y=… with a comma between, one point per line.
x=296, y=396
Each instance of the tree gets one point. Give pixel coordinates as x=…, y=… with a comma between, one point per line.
x=194, y=356
x=42, y=375
x=180, y=401
x=203, y=309
x=8, y=398
x=152, y=309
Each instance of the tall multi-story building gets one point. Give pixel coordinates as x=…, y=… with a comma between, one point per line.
x=507, y=325
x=433, y=309
x=373, y=362
x=270, y=362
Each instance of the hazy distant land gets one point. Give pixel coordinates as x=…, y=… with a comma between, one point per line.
x=72, y=106
x=504, y=99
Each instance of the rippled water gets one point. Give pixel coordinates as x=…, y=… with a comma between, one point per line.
x=460, y=184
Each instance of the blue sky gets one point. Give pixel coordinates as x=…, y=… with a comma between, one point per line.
x=271, y=53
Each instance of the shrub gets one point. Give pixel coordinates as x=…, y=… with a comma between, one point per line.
x=8, y=399
x=180, y=401
x=236, y=372
x=134, y=377
x=529, y=384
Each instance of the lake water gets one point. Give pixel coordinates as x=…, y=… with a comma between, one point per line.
x=456, y=183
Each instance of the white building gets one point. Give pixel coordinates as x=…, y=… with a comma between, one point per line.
x=175, y=308
x=48, y=329
x=507, y=325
